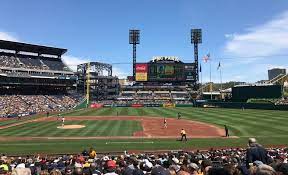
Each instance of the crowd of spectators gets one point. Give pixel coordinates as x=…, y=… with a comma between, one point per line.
x=283, y=101
x=37, y=63
x=213, y=162
x=22, y=105
x=6, y=61
x=153, y=97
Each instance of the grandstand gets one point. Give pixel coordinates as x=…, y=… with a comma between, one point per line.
x=34, y=79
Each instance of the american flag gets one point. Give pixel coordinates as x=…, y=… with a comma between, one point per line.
x=206, y=58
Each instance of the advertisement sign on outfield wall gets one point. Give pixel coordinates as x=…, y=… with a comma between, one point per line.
x=141, y=72
x=137, y=105
x=169, y=105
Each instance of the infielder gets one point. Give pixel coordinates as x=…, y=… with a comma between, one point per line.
x=165, y=123
x=179, y=115
x=183, y=135
x=63, y=120
x=58, y=117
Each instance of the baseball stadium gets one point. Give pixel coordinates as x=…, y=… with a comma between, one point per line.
x=160, y=119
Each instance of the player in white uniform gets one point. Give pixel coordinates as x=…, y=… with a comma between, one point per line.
x=63, y=120
x=165, y=123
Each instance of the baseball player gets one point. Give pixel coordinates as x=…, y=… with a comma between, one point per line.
x=179, y=115
x=226, y=131
x=58, y=116
x=63, y=120
x=165, y=123
x=183, y=134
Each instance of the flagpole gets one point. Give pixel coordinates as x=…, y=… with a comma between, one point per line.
x=201, y=82
x=220, y=78
x=210, y=82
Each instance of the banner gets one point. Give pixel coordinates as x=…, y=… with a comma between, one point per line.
x=141, y=76
x=152, y=105
x=96, y=105
x=169, y=105
x=141, y=72
x=107, y=105
x=137, y=105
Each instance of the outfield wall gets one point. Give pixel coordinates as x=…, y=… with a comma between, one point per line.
x=240, y=105
x=148, y=105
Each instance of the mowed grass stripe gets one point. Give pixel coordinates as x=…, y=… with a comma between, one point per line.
x=133, y=112
x=95, y=128
x=243, y=123
x=207, y=117
x=123, y=111
x=221, y=119
x=254, y=120
x=80, y=112
x=20, y=129
x=110, y=129
x=29, y=129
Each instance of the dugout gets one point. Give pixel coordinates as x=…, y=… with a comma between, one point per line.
x=244, y=92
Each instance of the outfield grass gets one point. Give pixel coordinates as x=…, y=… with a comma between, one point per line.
x=93, y=128
x=247, y=123
x=15, y=120
x=268, y=126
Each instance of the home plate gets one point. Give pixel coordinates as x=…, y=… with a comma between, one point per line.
x=127, y=142
x=71, y=127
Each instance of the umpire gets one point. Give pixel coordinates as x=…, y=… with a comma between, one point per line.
x=226, y=131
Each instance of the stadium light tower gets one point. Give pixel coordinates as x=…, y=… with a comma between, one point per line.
x=134, y=39
x=196, y=38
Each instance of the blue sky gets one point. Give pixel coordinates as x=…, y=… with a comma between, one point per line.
x=248, y=37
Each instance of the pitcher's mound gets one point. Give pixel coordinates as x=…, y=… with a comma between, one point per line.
x=71, y=127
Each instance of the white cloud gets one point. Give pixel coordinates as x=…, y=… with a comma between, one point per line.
x=116, y=71
x=7, y=36
x=72, y=61
x=267, y=39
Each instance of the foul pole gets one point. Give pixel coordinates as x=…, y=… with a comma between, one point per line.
x=88, y=84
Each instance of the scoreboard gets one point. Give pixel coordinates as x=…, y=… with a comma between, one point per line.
x=165, y=72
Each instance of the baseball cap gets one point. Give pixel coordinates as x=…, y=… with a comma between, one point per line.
x=111, y=164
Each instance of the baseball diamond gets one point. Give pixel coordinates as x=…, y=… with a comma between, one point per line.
x=204, y=127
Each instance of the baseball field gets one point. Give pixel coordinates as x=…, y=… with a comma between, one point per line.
x=142, y=129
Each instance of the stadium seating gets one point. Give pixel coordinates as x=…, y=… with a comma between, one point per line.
x=212, y=162
x=54, y=64
x=32, y=62
x=153, y=97
x=283, y=101
x=23, y=105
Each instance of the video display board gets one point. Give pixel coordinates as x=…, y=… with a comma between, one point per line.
x=165, y=72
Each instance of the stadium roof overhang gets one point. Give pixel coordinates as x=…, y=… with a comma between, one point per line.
x=18, y=46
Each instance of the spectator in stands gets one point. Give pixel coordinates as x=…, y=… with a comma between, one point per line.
x=110, y=168
x=224, y=161
x=255, y=152
x=92, y=153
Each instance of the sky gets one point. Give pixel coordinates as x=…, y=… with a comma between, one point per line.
x=246, y=37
